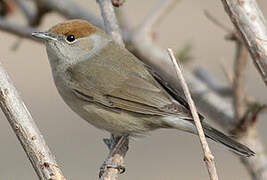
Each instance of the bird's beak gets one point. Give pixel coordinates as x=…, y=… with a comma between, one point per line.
x=44, y=36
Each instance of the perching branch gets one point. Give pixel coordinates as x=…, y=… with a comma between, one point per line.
x=214, y=106
x=118, y=146
x=26, y=130
x=208, y=157
x=251, y=25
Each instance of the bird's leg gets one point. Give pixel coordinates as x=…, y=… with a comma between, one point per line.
x=118, y=145
x=119, y=142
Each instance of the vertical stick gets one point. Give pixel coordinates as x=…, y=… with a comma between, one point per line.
x=208, y=157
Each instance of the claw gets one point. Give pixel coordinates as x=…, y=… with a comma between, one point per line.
x=107, y=165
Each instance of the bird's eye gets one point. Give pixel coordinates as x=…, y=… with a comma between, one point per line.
x=70, y=38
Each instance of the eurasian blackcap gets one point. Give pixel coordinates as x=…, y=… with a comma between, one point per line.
x=113, y=90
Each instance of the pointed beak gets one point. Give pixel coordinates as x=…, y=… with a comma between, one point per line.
x=44, y=36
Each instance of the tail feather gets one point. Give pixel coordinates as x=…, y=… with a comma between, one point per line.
x=235, y=146
x=189, y=126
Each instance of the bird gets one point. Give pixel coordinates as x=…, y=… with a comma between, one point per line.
x=113, y=90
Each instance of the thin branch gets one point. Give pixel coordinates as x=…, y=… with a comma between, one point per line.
x=110, y=21
x=162, y=8
x=26, y=130
x=217, y=22
x=157, y=58
x=71, y=10
x=26, y=10
x=18, y=30
x=212, y=83
x=251, y=25
x=214, y=106
x=239, y=80
x=228, y=75
x=257, y=165
x=118, y=146
x=208, y=157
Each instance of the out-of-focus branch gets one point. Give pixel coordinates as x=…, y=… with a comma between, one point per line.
x=26, y=130
x=27, y=11
x=216, y=107
x=118, y=146
x=239, y=80
x=251, y=25
x=71, y=10
x=110, y=21
x=216, y=21
x=228, y=75
x=212, y=83
x=208, y=157
x=257, y=165
x=246, y=116
x=33, y=16
x=18, y=30
x=162, y=8
x=157, y=58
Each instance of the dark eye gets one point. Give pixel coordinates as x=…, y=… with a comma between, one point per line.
x=70, y=38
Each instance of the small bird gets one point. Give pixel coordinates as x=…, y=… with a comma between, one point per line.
x=113, y=90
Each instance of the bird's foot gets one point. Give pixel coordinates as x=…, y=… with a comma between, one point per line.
x=109, y=164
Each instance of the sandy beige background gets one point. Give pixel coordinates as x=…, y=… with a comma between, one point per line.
x=78, y=146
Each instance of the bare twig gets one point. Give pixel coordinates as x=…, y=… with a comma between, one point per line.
x=208, y=157
x=118, y=146
x=157, y=58
x=212, y=83
x=214, y=106
x=228, y=75
x=257, y=165
x=33, y=16
x=217, y=22
x=162, y=8
x=27, y=11
x=26, y=130
x=110, y=21
x=239, y=78
x=18, y=30
x=251, y=25
x=71, y=10
x=245, y=130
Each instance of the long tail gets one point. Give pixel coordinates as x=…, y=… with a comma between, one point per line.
x=218, y=136
x=210, y=132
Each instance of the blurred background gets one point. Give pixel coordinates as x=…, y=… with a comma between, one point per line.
x=78, y=147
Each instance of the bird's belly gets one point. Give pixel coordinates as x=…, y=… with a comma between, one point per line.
x=114, y=121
